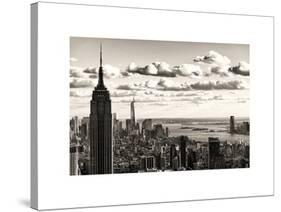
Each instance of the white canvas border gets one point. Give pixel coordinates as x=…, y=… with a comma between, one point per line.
x=57, y=22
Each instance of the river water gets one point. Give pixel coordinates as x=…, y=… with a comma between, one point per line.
x=202, y=129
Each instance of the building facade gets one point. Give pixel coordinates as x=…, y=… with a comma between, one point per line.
x=101, y=128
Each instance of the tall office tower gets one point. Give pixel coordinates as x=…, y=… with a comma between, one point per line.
x=128, y=126
x=232, y=124
x=74, y=158
x=175, y=163
x=138, y=129
x=216, y=159
x=150, y=163
x=114, y=117
x=159, y=130
x=173, y=154
x=76, y=128
x=71, y=124
x=228, y=150
x=160, y=161
x=143, y=163
x=179, y=157
x=74, y=125
x=71, y=131
x=183, y=153
x=84, y=131
x=235, y=150
x=246, y=127
x=247, y=155
x=100, y=128
x=120, y=126
x=147, y=124
x=163, y=163
x=115, y=123
x=167, y=131
x=191, y=158
x=133, y=115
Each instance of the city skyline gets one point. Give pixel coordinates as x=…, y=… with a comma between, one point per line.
x=102, y=143
x=148, y=146
x=211, y=80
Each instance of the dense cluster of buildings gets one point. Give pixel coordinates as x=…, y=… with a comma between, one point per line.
x=103, y=144
x=145, y=146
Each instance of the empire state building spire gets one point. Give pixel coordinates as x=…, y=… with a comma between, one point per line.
x=100, y=85
x=100, y=129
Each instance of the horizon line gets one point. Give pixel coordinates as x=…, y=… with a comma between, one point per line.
x=224, y=117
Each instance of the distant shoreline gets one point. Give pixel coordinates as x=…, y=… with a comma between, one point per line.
x=178, y=119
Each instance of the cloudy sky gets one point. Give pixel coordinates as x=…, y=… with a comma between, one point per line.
x=167, y=79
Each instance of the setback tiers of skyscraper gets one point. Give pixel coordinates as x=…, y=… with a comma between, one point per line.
x=100, y=128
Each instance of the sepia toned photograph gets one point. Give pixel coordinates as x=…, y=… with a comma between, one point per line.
x=140, y=106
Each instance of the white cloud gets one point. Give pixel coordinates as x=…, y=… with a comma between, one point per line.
x=123, y=93
x=218, y=64
x=81, y=83
x=80, y=93
x=170, y=85
x=188, y=70
x=163, y=69
x=109, y=71
x=219, y=85
x=130, y=86
x=151, y=83
x=154, y=69
x=159, y=93
x=214, y=58
x=167, y=97
x=243, y=68
x=77, y=72
x=162, y=84
x=220, y=70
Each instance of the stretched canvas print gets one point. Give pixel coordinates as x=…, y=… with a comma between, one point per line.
x=134, y=106
x=158, y=106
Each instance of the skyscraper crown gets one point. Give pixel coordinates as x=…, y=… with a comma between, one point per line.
x=100, y=85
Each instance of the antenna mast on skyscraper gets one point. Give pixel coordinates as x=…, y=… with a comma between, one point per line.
x=100, y=85
x=100, y=54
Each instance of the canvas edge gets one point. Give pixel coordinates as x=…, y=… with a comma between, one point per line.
x=34, y=115
x=33, y=104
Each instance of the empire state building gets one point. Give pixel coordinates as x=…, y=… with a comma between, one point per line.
x=100, y=128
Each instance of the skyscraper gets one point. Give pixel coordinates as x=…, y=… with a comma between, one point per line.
x=74, y=125
x=84, y=131
x=167, y=131
x=128, y=126
x=216, y=159
x=115, y=124
x=150, y=162
x=232, y=124
x=147, y=124
x=100, y=128
x=159, y=131
x=74, y=158
x=183, y=153
x=173, y=155
x=133, y=115
x=160, y=161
